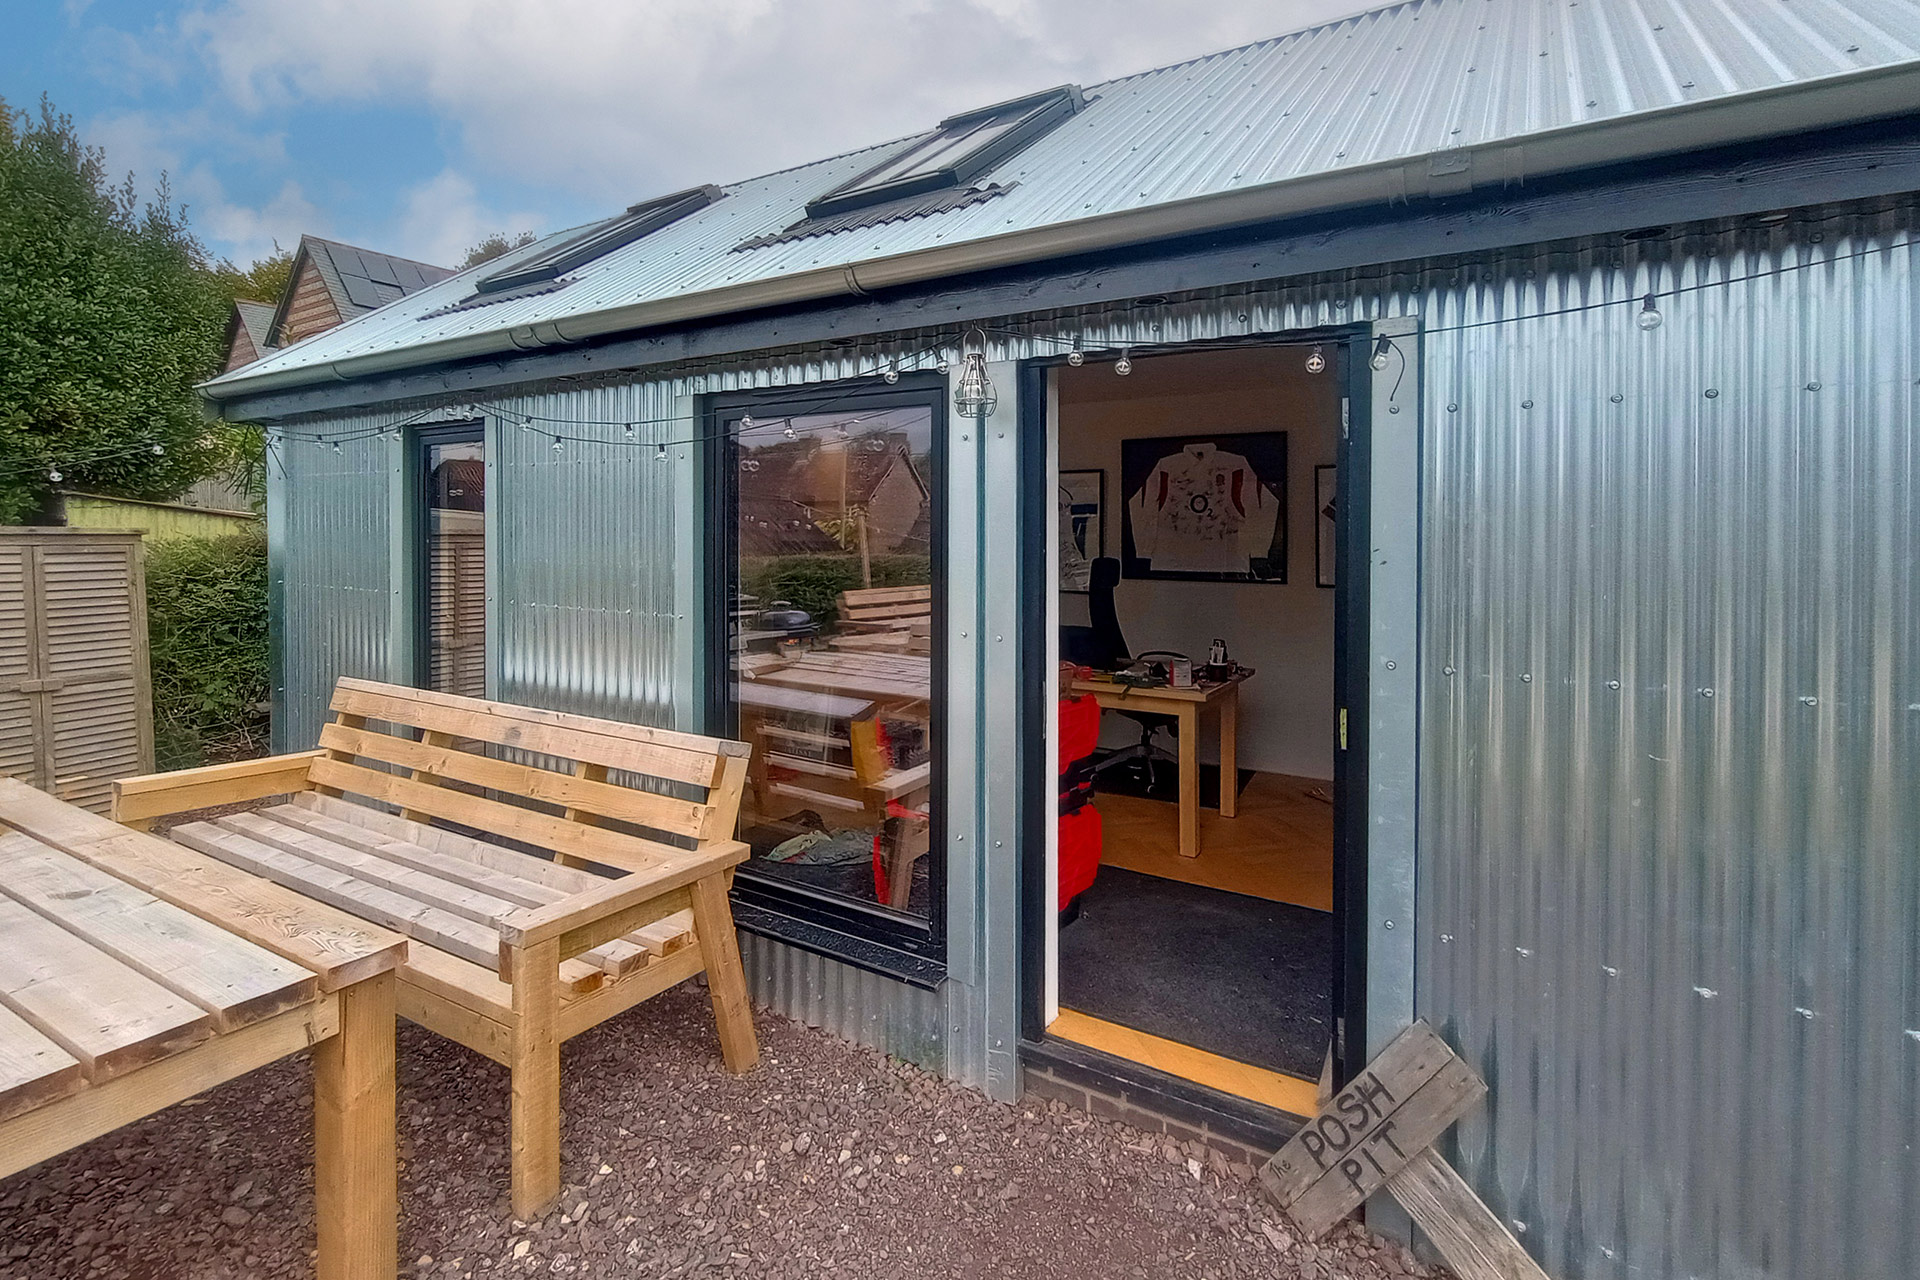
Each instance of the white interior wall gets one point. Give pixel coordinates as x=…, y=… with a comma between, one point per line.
x=1285, y=630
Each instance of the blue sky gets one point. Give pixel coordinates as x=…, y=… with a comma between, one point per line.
x=418, y=126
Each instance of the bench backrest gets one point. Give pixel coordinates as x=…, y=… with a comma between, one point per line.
x=886, y=604
x=437, y=755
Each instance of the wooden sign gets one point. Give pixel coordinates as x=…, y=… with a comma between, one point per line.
x=1375, y=1134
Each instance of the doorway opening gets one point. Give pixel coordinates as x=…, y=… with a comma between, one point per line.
x=1195, y=629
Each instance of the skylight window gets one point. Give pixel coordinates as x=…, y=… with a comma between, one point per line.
x=965, y=147
x=639, y=220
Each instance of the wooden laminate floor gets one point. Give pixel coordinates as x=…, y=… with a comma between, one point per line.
x=1279, y=846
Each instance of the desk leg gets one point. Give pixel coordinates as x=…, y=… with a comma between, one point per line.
x=1230, y=752
x=1189, y=779
x=356, y=1202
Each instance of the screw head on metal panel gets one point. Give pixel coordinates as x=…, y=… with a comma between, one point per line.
x=1386, y=924
x=1616, y=397
x=1808, y=699
x=1526, y=677
x=1453, y=408
x=1613, y=684
x=1393, y=408
x=1390, y=664
x=1706, y=693
x=1526, y=404
x=1813, y=386
x=1446, y=671
x=1713, y=393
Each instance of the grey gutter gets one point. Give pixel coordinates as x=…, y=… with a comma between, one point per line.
x=1792, y=108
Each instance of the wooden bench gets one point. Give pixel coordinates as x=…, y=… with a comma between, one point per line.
x=513, y=953
x=897, y=618
x=135, y=974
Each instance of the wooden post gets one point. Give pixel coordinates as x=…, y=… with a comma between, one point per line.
x=1230, y=751
x=355, y=1181
x=726, y=978
x=536, y=1078
x=1189, y=721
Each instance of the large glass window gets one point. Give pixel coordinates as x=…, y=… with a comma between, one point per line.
x=830, y=602
x=454, y=467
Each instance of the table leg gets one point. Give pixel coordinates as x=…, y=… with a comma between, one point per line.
x=1230, y=751
x=356, y=1202
x=1189, y=779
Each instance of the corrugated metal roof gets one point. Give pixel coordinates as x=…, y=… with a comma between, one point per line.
x=1416, y=80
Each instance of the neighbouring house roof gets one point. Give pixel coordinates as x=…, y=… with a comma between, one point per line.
x=357, y=281
x=1427, y=97
x=793, y=485
x=247, y=330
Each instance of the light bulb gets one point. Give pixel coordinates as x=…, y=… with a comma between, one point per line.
x=159, y=449
x=55, y=476
x=660, y=453
x=1124, y=365
x=891, y=376
x=1380, y=352
x=975, y=397
x=945, y=365
x=1076, y=357
x=557, y=445
x=746, y=422
x=629, y=431
x=1650, y=317
x=841, y=431
x=337, y=448
x=790, y=433
x=1316, y=363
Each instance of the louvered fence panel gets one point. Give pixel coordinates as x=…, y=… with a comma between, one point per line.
x=75, y=703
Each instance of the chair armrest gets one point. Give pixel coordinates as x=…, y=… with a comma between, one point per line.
x=153, y=795
x=584, y=920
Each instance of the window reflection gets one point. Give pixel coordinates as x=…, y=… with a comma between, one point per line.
x=457, y=568
x=832, y=638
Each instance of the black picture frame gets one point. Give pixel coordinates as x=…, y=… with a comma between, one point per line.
x=1208, y=513
x=1326, y=503
x=1090, y=540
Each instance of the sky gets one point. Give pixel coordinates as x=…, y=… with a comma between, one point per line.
x=417, y=127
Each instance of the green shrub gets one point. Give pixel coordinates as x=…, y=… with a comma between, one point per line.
x=207, y=629
x=813, y=582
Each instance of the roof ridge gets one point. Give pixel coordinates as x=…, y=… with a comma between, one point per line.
x=378, y=253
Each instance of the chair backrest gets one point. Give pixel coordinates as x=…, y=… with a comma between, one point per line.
x=1108, y=647
x=886, y=604
x=630, y=796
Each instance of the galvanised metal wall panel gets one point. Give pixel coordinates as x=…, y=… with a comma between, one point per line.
x=331, y=600
x=1670, y=844
x=584, y=614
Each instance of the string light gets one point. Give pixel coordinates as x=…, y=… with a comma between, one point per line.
x=159, y=449
x=55, y=476
x=1124, y=365
x=1316, y=363
x=1381, y=350
x=746, y=422
x=660, y=452
x=974, y=397
x=1076, y=357
x=789, y=433
x=1649, y=318
x=891, y=375
x=629, y=431
x=558, y=444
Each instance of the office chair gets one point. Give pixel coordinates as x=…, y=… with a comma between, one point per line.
x=1103, y=647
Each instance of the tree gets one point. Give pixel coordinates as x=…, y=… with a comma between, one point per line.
x=109, y=315
x=264, y=281
x=495, y=245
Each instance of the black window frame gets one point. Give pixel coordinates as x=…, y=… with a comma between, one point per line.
x=420, y=442
x=640, y=220
x=1035, y=115
x=867, y=936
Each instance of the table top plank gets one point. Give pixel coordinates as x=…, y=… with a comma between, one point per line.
x=33, y=1069
x=110, y=1017
x=1119, y=691
x=340, y=948
x=231, y=978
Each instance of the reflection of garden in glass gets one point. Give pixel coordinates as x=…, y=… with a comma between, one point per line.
x=832, y=634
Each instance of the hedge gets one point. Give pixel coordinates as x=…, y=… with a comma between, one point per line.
x=207, y=631
x=813, y=582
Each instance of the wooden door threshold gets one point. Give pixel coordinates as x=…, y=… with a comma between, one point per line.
x=1224, y=1075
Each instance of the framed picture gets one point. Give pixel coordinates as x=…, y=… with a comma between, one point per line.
x=1083, y=526
x=1205, y=508
x=1326, y=498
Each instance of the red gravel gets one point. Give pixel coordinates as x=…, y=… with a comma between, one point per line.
x=827, y=1160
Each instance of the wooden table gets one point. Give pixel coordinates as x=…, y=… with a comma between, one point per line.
x=1186, y=705
x=896, y=680
x=135, y=974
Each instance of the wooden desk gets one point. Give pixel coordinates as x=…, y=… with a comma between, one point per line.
x=135, y=974
x=1186, y=706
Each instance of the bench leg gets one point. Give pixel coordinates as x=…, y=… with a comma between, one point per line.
x=726, y=980
x=536, y=1079
x=355, y=1193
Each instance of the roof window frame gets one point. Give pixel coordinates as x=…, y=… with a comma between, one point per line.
x=1033, y=116
x=640, y=220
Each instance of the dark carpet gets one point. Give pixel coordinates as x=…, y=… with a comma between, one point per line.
x=1241, y=977
x=1131, y=780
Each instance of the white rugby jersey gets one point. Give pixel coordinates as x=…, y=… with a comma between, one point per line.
x=1203, y=510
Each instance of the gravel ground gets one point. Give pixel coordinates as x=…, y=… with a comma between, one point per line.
x=827, y=1160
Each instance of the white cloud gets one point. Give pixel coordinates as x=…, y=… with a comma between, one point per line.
x=443, y=217
x=611, y=100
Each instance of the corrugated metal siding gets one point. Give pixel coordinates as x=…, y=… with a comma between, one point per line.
x=1737, y=1097
x=330, y=542
x=1670, y=850
x=1398, y=83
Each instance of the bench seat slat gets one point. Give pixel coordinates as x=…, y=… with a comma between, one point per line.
x=33, y=1069
x=439, y=840
x=422, y=923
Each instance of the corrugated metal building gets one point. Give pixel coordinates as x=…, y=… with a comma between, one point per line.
x=1632, y=799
